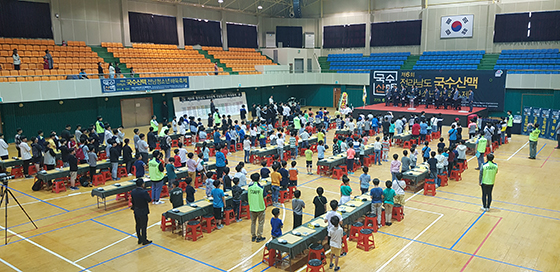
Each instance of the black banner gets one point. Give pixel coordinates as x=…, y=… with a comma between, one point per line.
x=488, y=86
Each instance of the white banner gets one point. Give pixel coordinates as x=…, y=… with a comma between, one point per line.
x=199, y=106
x=458, y=26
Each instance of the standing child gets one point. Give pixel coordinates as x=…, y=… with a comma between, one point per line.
x=265, y=172
x=170, y=169
x=426, y=151
x=388, y=195
x=385, y=148
x=376, y=200
x=350, y=153
x=320, y=202
x=395, y=166
x=176, y=195
x=209, y=184
x=432, y=163
x=297, y=206
x=276, y=224
x=364, y=180
x=309, y=161
x=218, y=201
x=246, y=149
x=441, y=162
x=293, y=174
x=321, y=150
x=275, y=178
x=237, y=191
x=441, y=144
x=413, y=157
x=377, y=148
x=176, y=159
x=140, y=165
x=190, y=191
x=345, y=190
x=73, y=163
x=335, y=235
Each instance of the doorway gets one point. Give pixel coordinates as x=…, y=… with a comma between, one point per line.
x=336, y=97
x=298, y=65
x=136, y=112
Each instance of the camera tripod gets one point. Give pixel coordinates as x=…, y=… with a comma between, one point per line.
x=4, y=191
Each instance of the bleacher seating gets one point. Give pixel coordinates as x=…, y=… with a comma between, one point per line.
x=67, y=60
x=357, y=63
x=160, y=60
x=529, y=59
x=241, y=60
x=449, y=60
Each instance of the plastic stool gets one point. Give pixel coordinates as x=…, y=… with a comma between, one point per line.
x=167, y=223
x=382, y=216
x=245, y=211
x=316, y=251
x=406, y=145
x=337, y=173
x=174, y=143
x=193, y=230
x=270, y=256
x=344, y=169
x=17, y=172
x=443, y=179
x=106, y=175
x=456, y=175
x=345, y=242
x=283, y=196
x=239, y=146
x=208, y=223
x=31, y=170
x=354, y=230
x=398, y=213
x=183, y=185
x=430, y=188
x=315, y=265
x=121, y=172
x=98, y=179
x=291, y=190
x=58, y=186
x=164, y=191
x=125, y=195
x=365, y=240
x=371, y=218
x=267, y=201
x=229, y=216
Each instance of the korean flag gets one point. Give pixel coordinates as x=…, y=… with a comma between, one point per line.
x=459, y=26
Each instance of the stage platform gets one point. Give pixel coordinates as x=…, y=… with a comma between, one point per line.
x=447, y=115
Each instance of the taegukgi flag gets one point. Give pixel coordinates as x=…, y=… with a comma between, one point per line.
x=459, y=26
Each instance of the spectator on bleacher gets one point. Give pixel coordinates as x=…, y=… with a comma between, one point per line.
x=48, y=60
x=117, y=70
x=216, y=69
x=100, y=70
x=64, y=43
x=131, y=71
x=82, y=74
x=17, y=60
x=111, y=71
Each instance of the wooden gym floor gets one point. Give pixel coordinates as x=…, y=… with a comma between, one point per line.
x=447, y=232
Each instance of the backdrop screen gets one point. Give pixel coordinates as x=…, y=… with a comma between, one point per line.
x=396, y=33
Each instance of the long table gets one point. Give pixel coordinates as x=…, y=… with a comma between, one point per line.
x=16, y=161
x=403, y=137
x=114, y=189
x=64, y=172
x=333, y=161
x=417, y=175
x=471, y=145
x=343, y=132
x=315, y=234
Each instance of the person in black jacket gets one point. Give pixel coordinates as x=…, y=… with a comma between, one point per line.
x=114, y=154
x=127, y=156
x=37, y=153
x=140, y=200
x=152, y=139
x=64, y=151
x=66, y=133
x=94, y=140
x=73, y=163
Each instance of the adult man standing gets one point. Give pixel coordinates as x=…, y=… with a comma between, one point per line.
x=271, y=100
x=164, y=111
x=140, y=200
x=486, y=180
x=471, y=100
x=509, y=125
x=212, y=106
x=257, y=208
x=533, y=140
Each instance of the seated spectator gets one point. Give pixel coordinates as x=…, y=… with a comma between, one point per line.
x=82, y=74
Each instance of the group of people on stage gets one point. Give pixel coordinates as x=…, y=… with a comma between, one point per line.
x=438, y=98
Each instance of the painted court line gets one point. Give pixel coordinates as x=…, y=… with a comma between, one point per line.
x=116, y=257
x=448, y=207
x=407, y=245
x=9, y=265
x=518, y=150
x=36, y=198
x=547, y=158
x=476, y=251
x=464, y=233
x=47, y=250
x=540, y=149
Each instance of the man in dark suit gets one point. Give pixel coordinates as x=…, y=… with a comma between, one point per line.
x=140, y=206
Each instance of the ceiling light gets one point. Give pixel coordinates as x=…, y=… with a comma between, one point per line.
x=220, y=1
x=259, y=7
x=202, y=5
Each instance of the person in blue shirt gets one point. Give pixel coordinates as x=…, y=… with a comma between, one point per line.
x=285, y=175
x=376, y=200
x=82, y=74
x=170, y=169
x=265, y=172
x=240, y=133
x=375, y=124
x=218, y=201
x=140, y=166
x=276, y=224
x=220, y=161
x=423, y=131
x=321, y=150
x=452, y=135
x=217, y=137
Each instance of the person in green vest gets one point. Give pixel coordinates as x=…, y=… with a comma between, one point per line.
x=255, y=197
x=217, y=120
x=486, y=180
x=509, y=125
x=99, y=128
x=533, y=140
x=154, y=123
x=480, y=150
x=156, y=168
x=297, y=124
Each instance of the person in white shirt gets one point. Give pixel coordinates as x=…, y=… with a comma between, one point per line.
x=286, y=111
x=399, y=126
x=111, y=71
x=270, y=100
x=399, y=185
x=182, y=154
x=246, y=149
x=17, y=60
x=240, y=175
x=25, y=156
x=462, y=150
x=4, y=155
x=280, y=147
x=350, y=124
x=336, y=234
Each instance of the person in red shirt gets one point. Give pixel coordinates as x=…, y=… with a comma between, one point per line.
x=415, y=130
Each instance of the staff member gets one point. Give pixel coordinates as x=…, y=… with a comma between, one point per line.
x=533, y=140
x=486, y=180
x=156, y=168
x=509, y=125
x=255, y=197
x=140, y=200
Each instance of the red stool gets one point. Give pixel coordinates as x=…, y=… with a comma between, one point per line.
x=406, y=145
x=344, y=169
x=58, y=186
x=291, y=190
x=371, y=218
x=167, y=223
x=267, y=201
x=98, y=179
x=31, y=170
x=465, y=164
x=314, y=148
x=17, y=172
x=102, y=156
x=367, y=161
x=488, y=151
x=302, y=151
x=232, y=148
x=174, y=143
x=456, y=175
x=164, y=191
x=245, y=211
x=106, y=175
x=316, y=251
x=125, y=195
x=133, y=170
x=398, y=212
x=354, y=230
x=212, y=151
x=283, y=196
x=345, y=243
x=208, y=223
x=443, y=179
x=365, y=240
x=270, y=256
x=198, y=181
x=239, y=146
x=188, y=140
x=428, y=138
x=430, y=188
x=183, y=185
x=121, y=172
x=158, y=146
x=269, y=161
x=382, y=216
x=337, y=173
x=315, y=265
x=193, y=230
x=229, y=216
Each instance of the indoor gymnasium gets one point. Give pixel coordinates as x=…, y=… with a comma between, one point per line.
x=279, y=135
